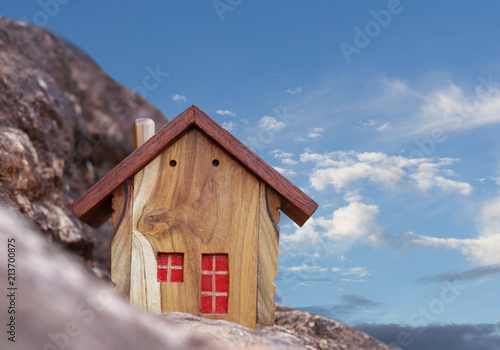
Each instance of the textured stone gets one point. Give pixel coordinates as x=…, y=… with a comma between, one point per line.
x=59, y=299
x=230, y=335
x=60, y=304
x=64, y=123
x=324, y=333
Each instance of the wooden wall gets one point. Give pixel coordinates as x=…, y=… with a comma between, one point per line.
x=194, y=198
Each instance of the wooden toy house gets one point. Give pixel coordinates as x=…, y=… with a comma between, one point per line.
x=195, y=215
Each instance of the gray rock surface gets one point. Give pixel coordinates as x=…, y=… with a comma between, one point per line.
x=324, y=333
x=60, y=304
x=64, y=123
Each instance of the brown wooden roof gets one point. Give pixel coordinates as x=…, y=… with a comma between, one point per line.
x=94, y=207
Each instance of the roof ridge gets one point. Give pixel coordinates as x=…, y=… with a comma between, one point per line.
x=94, y=207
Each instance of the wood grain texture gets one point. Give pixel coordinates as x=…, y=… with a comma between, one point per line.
x=121, y=219
x=269, y=217
x=197, y=208
x=92, y=207
x=121, y=237
x=300, y=206
x=144, y=129
x=144, y=286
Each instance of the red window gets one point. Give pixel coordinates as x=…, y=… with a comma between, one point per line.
x=214, y=283
x=170, y=267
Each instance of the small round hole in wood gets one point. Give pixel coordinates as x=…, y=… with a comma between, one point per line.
x=215, y=162
x=173, y=163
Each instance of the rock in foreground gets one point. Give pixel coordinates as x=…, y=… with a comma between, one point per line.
x=324, y=333
x=60, y=302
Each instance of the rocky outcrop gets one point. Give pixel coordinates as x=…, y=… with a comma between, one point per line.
x=59, y=304
x=324, y=333
x=314, y=332
x=64, y=123
x=233, y=336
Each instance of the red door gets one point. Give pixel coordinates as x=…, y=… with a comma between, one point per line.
x=214, y=283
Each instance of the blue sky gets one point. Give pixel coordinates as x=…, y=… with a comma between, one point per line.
x=385, y=112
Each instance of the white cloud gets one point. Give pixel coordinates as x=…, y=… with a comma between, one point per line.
x=340, y=169
x=304, y=267
x=281, y=154
x=370, y=122
x=378, y=125
x=426, y=177
x=285, y=172
x=489, y=221
x=315, y=133
x=451, y=108
x=352, y=196
x=325, y=235
x=413, y=110
x=350, y=223
x=357, y=271
x=448, y=108
x=231, y=126
x=408, y=109
x=178, y=98
x=294, y=92
x=385, y=127
x=307, y=233
x=311, y=273
x=484, y=249
x=350, y=280
x=225, y=112
x=268, y=122
x=289, y=161
x=396, y=87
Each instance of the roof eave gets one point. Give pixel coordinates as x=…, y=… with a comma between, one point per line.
x=94, y=207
